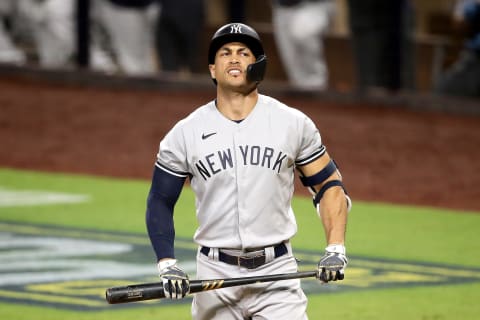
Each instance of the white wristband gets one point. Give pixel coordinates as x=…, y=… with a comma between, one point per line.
x=336, y=248
x=165, y=264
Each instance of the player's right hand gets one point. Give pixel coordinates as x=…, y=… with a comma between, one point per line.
x=176, y=284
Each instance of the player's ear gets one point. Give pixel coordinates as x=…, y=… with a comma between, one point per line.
x=211, y=67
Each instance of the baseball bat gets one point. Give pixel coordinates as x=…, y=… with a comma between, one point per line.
x=154, y=290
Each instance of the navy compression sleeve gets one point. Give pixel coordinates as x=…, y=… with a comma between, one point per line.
x=163, y=195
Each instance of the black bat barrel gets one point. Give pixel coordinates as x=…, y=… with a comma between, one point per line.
x=136, y=292
x=154, y=290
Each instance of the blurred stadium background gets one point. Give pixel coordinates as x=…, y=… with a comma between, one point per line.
x=405, y=147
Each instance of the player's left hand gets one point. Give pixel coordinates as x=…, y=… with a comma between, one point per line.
x=176, y=284
x=333, y=263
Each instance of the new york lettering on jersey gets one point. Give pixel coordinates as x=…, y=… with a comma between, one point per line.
x=255, y=155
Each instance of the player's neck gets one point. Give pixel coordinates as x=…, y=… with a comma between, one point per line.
x=236, y=106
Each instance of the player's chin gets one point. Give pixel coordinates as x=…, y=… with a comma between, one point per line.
x=236, y=82
x=236, y=79
x=244, y=87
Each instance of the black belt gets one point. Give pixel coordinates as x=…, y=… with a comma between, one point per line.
x=291, y=3
x=247, y=262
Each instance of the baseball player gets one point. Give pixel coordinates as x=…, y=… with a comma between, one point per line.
x=240, y=152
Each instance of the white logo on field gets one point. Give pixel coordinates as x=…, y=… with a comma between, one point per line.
x=28, y=260
x=16, y=198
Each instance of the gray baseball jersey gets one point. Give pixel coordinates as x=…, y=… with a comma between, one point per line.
x=242, y=173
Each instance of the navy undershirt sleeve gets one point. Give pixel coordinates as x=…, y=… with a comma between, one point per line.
x=163, y=195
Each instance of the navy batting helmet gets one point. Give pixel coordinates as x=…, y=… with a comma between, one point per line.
x=239, y=32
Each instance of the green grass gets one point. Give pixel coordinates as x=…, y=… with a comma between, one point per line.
x=159, y=312
x=115, y=204
x=419, y=303
x=380, y=230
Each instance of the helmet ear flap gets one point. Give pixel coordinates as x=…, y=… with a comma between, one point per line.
x=256, y=70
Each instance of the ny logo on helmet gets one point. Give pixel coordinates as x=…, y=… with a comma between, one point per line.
x=235, y=28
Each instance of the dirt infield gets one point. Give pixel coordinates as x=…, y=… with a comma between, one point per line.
x=386, y=154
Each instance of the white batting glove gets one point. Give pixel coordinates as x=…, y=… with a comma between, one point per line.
x=176, y=284
x=331, y=266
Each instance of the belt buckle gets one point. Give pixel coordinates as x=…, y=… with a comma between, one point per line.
x=239, y=261
x=249, y=262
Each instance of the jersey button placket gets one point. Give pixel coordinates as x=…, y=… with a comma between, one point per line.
x=238, y=174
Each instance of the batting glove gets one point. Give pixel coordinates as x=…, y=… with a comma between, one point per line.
x=176, y=284
x=333, y=263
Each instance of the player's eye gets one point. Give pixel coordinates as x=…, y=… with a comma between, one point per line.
x=244, y=53
x=224, y=53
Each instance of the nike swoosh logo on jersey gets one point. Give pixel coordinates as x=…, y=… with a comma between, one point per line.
x=205, y=136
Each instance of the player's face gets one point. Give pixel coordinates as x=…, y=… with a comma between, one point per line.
x=231, y=62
